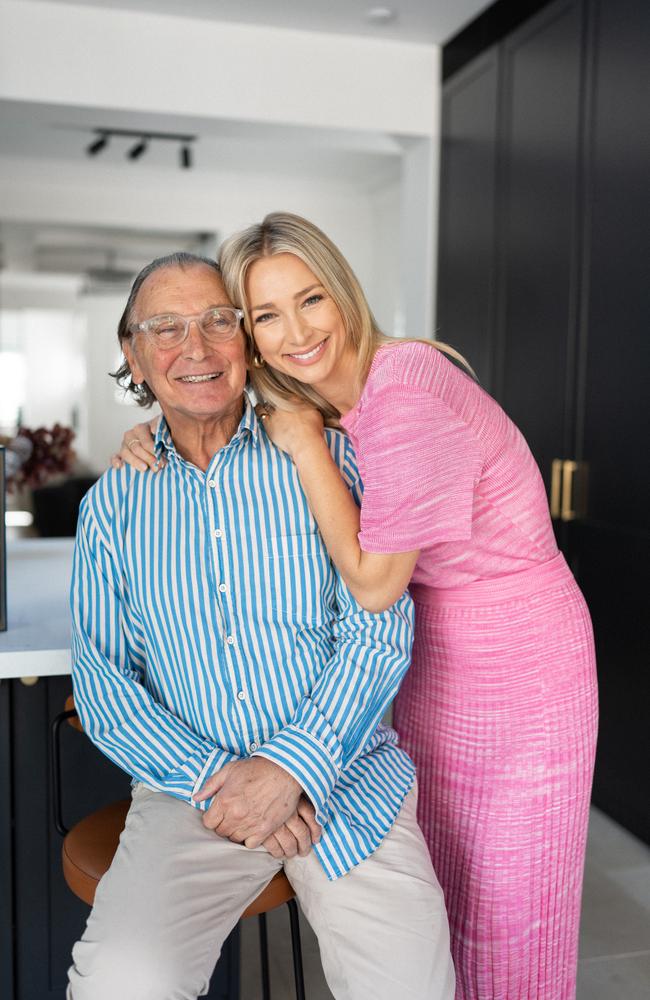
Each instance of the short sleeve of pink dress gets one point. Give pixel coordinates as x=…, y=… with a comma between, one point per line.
x=419, y=460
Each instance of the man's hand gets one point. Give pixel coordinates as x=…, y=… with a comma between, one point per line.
x=297, y=835
x=252, y=800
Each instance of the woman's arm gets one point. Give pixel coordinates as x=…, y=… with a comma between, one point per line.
x=376, y=580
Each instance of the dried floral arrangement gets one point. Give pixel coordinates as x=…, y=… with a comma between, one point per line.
x=33, y=456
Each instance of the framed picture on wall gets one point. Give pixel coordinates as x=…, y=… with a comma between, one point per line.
x=3, y=546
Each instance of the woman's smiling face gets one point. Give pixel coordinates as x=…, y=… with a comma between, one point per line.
x=297, y=326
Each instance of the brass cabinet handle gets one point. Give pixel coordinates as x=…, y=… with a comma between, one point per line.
x=568, y=471
x=556, y=483
x=568, y=489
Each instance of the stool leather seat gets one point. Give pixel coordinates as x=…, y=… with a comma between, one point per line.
x=278, y=891
x=89, y=847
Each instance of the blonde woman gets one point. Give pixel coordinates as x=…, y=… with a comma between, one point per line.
x=499, y=707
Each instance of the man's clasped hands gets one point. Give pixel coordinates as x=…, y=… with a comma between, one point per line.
x=259, y=804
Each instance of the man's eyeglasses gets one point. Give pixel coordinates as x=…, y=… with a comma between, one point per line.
x=218, y=324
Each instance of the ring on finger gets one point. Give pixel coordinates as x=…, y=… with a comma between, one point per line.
x=133, y=441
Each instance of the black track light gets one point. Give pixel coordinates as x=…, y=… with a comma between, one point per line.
x=141, y=141
x=99, y=143
x=136, y=151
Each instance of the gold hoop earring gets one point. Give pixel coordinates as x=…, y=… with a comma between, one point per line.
x=258, y=360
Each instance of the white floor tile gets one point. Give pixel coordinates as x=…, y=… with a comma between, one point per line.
x=615, y=978
x=613, y=921
x=616, y=896
x=280, y=959
x=611, y=846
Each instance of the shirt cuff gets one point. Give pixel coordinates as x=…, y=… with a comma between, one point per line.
x=216, y=760
x=314, y=765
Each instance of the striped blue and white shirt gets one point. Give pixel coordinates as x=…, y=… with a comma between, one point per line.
x=210, y=625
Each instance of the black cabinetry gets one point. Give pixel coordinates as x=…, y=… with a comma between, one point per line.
x=6, y=874
x=543, y=283
x=40, y=918
x=537, y=212
x=468, y=174
x=611, y=543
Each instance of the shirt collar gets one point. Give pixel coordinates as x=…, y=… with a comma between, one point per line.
x=249, y=424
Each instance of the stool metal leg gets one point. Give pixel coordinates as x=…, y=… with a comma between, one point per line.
x=55, y=773
x=297, y=950
x=264, y=957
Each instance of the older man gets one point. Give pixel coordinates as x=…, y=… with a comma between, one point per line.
x=221, y=662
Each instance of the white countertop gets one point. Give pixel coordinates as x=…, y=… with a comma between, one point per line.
x=37, y=640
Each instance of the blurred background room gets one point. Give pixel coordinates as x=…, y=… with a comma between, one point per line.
x=484, y=167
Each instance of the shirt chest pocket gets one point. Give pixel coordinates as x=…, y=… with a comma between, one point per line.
x=300, y=579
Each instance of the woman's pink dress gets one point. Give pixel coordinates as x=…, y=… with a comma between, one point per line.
x=499, y=708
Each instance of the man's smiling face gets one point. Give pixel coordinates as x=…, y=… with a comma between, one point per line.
x=197, y=380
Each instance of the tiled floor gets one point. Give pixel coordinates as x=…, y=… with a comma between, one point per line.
x=615, y=930
x=614, y=940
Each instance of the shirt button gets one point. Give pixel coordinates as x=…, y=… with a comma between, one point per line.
x=222, y=588
x=252, y=747
x=211, y=483
x=218, y=533
x=230, y=640
x=241, y=695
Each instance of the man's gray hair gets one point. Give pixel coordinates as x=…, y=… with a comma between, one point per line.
x=180, y=258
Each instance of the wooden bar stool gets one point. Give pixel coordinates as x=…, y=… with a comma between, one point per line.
x=88, y=850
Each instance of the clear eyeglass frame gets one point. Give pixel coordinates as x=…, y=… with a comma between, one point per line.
x=218, y=324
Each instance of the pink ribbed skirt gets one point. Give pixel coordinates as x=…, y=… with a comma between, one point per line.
x=499, y=713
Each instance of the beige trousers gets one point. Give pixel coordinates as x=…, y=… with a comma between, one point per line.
x=175, y=891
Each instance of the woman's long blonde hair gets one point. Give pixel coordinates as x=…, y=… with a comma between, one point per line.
x=282, y=232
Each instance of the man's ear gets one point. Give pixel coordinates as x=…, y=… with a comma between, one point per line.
x=137, y=376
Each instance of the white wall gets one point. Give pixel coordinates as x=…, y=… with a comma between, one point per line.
x=65, y=54
x=417, y=257
x=382, y=287
x=108, y=418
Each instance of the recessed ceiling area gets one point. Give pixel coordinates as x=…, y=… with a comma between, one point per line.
x=64, y=133
x=104, y=255
x=428, y=21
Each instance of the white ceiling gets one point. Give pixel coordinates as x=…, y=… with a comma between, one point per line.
x=38, y=131
x=430, y=21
